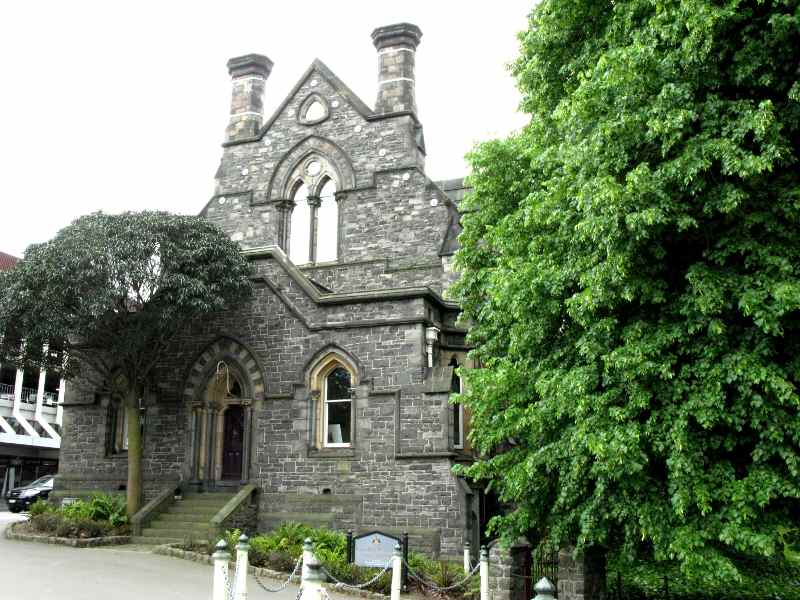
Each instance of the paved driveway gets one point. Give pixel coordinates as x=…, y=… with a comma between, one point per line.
x=33, y=571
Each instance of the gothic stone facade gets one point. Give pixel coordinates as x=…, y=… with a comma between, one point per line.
x=320, y=389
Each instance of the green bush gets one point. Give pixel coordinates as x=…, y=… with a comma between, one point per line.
x=40, y=507
x=337, y=565
x=46, y=522
x=101, y=515
x=82, y=528
x=762, y=579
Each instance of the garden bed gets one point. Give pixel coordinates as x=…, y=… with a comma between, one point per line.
x=277, y=552
x=25, y=533
x=102, y=516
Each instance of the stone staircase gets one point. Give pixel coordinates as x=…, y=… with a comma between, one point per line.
x=184, y=519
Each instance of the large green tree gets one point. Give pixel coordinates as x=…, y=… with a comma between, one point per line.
x=631, y=273
x=110, y=293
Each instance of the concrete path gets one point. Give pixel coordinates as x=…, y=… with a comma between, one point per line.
x=32, y=571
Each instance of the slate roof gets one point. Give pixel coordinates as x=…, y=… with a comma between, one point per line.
x=7, y=261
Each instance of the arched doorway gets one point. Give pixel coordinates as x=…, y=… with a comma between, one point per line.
x=221, y=428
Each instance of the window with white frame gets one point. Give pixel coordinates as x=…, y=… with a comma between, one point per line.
x=337, y=417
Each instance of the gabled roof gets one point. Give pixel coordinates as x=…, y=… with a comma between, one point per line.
x=337, y=84
x=7, y=261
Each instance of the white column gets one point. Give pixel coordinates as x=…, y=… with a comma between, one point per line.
x=60, y=409
x=38, y=414
x=16, y=412
x=467, y=558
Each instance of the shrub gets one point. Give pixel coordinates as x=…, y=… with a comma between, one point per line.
x=336, y=564
x=105, y=507
x=100, y=515
x=46, y=522
x=79, y=509
x=40, y=507
x=82, y=528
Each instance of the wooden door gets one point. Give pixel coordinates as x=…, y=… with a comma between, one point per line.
x=232, y=444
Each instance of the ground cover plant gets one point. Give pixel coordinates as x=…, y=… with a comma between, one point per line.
x=101, y=515
x=280, y=549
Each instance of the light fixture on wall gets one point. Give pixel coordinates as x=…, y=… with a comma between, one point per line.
x=431, y=337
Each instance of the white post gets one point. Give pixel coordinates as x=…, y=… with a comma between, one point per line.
x=484, y=570
x=311, y=587
x=221, y=558
x=544, y=589
x=242, y=548
x=397, y=572
x=467, y=558
x=307, y=555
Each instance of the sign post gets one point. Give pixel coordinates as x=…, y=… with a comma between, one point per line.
x=374, y=549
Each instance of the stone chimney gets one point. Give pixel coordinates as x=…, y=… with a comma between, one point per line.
x=396, y=45
x=248, y=74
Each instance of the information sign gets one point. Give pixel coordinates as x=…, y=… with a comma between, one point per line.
x=373, y=549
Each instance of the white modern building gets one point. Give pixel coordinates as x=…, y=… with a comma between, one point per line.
x=30, y=420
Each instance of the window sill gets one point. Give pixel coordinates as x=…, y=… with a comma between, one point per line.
x=348, y=452
x=112, y=455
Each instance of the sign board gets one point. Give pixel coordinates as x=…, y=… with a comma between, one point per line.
x=373, y=549
x=68, y=501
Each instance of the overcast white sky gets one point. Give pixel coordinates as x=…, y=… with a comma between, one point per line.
x=123, y=105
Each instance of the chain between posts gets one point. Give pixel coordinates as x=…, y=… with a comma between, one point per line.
x=282, y=587
x=360, y=586
x=429, y=584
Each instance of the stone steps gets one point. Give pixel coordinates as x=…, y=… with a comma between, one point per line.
x=184, y=519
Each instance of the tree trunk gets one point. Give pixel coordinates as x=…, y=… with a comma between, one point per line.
x=134, y=453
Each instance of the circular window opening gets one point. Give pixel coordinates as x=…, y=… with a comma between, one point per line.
x=313, y=168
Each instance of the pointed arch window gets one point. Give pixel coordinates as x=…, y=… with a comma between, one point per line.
x=314, y=224
x=300, y=236
x=337, y=419
x=328, y=223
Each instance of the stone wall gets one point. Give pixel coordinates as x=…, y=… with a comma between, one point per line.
x=393, y=223
x=582, y=578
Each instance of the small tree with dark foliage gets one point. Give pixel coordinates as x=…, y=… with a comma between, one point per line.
x=104, y=299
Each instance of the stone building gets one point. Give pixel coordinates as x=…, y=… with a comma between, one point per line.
x=329, y=390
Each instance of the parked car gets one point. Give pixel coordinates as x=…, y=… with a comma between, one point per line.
x=22, y=497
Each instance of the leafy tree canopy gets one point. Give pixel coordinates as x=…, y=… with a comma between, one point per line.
x=631, y=272
x=110, y=292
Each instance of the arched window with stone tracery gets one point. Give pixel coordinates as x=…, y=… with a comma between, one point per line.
x=314, y=222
